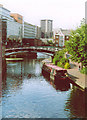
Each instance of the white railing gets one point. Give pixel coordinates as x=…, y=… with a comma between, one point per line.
x=53, y=49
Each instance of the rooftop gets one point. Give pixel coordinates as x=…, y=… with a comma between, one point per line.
x=66, y=31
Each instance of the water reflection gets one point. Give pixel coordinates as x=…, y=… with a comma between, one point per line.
x=27, y=94
x=76, y=103
x=14, y=78
x=16, y=72
x=62, y=85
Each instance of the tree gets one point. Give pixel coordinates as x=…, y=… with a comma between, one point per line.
x=77, y=45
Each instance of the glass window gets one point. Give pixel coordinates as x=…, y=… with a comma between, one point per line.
x=56, y=36
x=67, y=37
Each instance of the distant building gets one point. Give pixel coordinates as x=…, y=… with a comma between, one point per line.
x=4, y=30
x=31, y=35
x=60, y=36
x=29, y=30
x=18, y=18
x=38, y=32
x=86, y=11
x=46, y=28
x=4, y=13
x=14, y=30
x=13, y=26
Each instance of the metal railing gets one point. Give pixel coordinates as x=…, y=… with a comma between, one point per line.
x=48, y=48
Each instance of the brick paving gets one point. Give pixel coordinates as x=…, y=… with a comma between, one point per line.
x=79, y=78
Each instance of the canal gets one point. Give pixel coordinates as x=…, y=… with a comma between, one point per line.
x=26, y=93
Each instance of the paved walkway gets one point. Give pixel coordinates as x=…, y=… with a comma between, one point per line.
x=76, y=76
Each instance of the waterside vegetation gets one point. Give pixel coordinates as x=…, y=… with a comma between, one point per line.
x=77, y=46
x=60, y=59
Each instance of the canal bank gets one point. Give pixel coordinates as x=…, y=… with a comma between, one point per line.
x=74, y=74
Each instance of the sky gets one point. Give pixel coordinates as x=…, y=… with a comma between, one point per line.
x=66, y=14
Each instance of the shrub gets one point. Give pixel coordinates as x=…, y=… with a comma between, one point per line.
x=59, y=58
x=60, y=64
x=54, y=60
x=64, y=61
x=84, y=70
x=67, y=66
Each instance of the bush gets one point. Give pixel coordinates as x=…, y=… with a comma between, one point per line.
x=59, y=64
x=67, y=66
x=59, y=58
x=64, y=61
x=84, y=70
x=54, y=60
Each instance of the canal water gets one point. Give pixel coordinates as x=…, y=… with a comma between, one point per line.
x=26, y=93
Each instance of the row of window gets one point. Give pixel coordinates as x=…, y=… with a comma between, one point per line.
x=33, y=30
x=61, y=37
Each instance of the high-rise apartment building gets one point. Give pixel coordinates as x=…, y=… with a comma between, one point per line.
x=46, y=28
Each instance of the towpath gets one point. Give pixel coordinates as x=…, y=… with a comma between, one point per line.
x=79, y=78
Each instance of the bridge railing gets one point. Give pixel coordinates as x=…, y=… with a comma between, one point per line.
x=48, y=48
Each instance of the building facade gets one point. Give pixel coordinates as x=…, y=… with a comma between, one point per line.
x=18, y=18
x=46, y=28
x=14, y=30
x=4, y=13
x=29, y=31
x=38, y=32
x=4, y=30
x=13, y=27
x=60, y=36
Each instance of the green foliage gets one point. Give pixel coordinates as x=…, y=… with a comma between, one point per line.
x=77, y=45
x=54, y=60
x=50, y=42
x=59, y=55
x=60, y=64
x=67, y=66
x=64, y=60
x=59, y=58
x=84, y=70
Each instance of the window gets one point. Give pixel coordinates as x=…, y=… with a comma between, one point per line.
x=57, y=36
x=61, y=37
x=67, y=37
x=56, y=41
x=19, y=18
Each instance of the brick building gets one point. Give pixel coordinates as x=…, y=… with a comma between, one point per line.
x=60, y=36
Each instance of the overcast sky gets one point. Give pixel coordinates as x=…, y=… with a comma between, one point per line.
x=64, y=13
